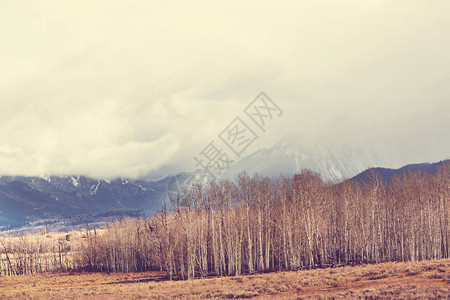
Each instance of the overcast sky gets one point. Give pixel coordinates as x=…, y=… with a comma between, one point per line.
x=124, y=88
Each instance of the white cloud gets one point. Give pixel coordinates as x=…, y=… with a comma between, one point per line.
x=115, y=88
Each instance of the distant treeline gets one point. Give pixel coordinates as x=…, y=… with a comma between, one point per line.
x=255, y=224
x=30, y=254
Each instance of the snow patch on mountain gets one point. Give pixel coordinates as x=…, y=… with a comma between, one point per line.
x=46, y=178
x=93, y=190
x=75, y=182
x=141, y=187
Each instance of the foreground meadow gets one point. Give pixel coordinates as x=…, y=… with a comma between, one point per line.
x=410, y=280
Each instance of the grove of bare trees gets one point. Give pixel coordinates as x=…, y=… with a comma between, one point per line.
x=255, y=224
x=29, y=254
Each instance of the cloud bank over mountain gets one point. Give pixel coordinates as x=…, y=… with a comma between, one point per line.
x=113, y=88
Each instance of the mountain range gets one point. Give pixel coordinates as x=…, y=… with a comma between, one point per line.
x=387, y=174
x=32, y=201
x=25, y=200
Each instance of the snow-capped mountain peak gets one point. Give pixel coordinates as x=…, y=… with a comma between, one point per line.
x=290, y=156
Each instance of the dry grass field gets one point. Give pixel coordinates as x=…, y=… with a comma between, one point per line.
x=411, y=280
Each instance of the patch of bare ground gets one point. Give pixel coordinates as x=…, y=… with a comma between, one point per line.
x=411, y=280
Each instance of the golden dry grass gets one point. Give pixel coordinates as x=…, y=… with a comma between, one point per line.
x=412, y=280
